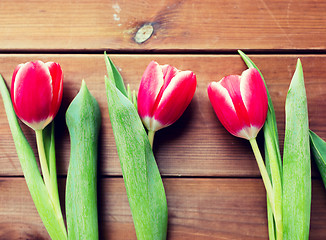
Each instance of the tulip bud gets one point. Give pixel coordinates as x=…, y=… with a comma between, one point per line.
x=164, y=94
x=36, y=92
x=240, y=103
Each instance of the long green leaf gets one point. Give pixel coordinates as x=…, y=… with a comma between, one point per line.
x=273, y=160
x=142, y=179
x=318, y=150
x=114, y=74
x=270, y=126
x=83, y=119
x=296, y=161
x=51, y=218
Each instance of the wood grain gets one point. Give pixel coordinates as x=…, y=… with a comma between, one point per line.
x=176, y=24
x=197, y=144
x=212, y=182
x=198, y=209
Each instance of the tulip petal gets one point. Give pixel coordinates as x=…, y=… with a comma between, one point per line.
x=150, y=86
x=224, y=108
x=175, y=98
x=13, y=88
x=169, y=72
x=232, y=84
x=14, y=75
x=57, y=77
x=254, y=97
x=32, y=92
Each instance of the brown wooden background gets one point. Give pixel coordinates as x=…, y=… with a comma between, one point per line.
x=212, y=183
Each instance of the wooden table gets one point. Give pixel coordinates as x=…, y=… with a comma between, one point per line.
x=212, y=182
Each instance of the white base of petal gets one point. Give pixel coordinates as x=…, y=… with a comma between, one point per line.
x=152, y=124
x=248, y=132
x=38, y=125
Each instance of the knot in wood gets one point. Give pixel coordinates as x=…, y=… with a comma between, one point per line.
x=144, y=33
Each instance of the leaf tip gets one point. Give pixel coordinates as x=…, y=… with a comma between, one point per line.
x=299, y=64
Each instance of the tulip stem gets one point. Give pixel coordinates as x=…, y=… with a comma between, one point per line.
x=151, y=134
x=263, y=173
x=42, y=156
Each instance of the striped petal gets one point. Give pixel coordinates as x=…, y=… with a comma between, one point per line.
x=150, y=86
x=224, y=107
x=169, y=72
x=254, y=97
x=176, y=96
x=57, y=82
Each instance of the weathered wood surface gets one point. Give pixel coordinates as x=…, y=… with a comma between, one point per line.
x=198, y=209
x=174, y=24
x=197, y=144
x=211, y=178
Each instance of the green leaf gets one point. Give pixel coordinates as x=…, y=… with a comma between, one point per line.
x=318, y=150
x=296, y=161
x=114, y=74
x=271, y=222
x=51, y=216
x=270, y=127
x=49, y=147
x=273, y=160
x=83, y=119
x=142, y=179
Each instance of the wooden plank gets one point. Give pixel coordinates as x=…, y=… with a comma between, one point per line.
x=198, y=209
x=176, y=25
x=197, y=144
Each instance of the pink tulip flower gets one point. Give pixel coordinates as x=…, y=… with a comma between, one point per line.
x=240, y=103
x=36, y=92
x=164, y=94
